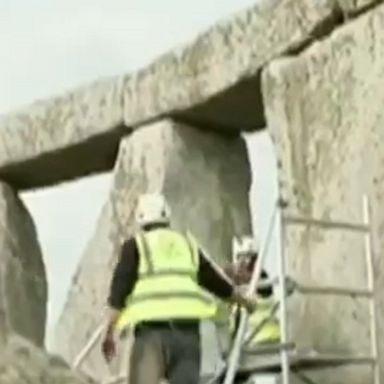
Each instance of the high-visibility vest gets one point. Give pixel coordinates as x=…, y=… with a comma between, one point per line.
x=167, y=287
x=269, y=332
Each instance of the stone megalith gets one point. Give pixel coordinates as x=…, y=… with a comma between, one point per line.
x=22, y=362
x=23, y=285
x=206, y=179
x=3, y=325
x=325, y=112
x=212, y=82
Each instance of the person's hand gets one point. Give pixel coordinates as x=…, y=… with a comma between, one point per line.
x=250, y=304
x=108, y=348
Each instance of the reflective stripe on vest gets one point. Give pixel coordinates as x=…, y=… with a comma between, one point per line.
x=270, y=331
x=167, y=284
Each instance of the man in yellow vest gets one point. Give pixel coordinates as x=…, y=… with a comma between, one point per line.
x=245, y=253
x=162, y=286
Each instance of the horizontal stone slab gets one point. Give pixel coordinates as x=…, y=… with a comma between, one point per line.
x=212, y=83
x=64, y=137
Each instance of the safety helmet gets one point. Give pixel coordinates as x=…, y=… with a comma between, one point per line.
x=245, y=245
x=152, y=208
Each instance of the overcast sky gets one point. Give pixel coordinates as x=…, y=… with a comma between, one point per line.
x=49, y=46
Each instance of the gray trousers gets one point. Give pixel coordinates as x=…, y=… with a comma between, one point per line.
x=166, y=351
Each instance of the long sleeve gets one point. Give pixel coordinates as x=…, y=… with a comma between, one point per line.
x=125, y=275
x=211, y=278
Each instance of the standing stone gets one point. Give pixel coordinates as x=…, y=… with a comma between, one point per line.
x=3, y=326
x=205, y=178
x=23, y=286
x=325, y=112
x=21, y=362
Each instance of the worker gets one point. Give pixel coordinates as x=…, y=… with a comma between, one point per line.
x=162, y=287
x=245, y=254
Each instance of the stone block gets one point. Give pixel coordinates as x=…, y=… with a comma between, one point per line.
x=68, y=136
x=23, y=285
x=23, y=362
x=205, y=178
x=325, y=113
x=212, y=83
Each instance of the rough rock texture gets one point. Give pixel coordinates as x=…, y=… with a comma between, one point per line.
x=351, y=7
x=325, y=112
x=58, y=139
x=3, y=324
x=23, y=363
x=212, y=83
x=206, y=179
x=23, y=287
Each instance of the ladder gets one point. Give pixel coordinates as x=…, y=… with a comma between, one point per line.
x=285, y=347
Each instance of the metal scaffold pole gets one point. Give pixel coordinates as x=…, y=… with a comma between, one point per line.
x=285, y=355
x=235, y=354
x=369, y=253
x=282, y=295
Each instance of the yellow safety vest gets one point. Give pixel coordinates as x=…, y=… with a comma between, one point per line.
x=167, y=287
x=270, y=331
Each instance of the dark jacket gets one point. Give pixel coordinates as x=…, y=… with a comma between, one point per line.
x=125, y=276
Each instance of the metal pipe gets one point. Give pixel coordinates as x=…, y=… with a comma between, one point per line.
x=371, y=286
x=331, y=359
x=326, y=224
x=89, y=346
x=283, y=321
x=259, y=326
x=269, y=348
x=236, y=349
x=334, y=290
x=267, y=283
x=125, y=361
x=116, y=379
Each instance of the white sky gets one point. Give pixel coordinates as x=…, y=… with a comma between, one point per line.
x=49, y=46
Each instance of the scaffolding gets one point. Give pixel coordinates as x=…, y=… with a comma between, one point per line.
x=290, y=360
x=284, y=357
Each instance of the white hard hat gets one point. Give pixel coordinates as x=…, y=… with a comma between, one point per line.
x=152, y=208
x=244, y=245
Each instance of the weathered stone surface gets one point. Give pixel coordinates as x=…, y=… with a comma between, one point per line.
x=3, y=325
x=23, y=287
x=325, y=112
x=351, y=7
x=214, y=80
x=23, y=363
x=68, y=136
x=212, y=83
x=206, y=179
